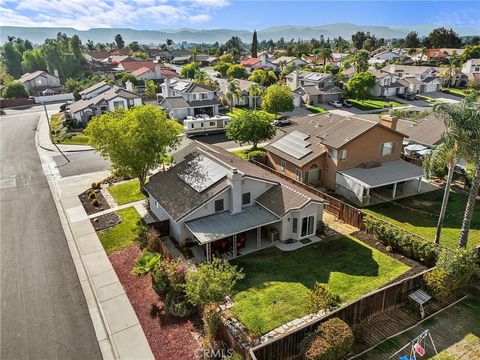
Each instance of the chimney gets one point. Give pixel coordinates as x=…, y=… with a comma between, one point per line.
x=55, y=72
x=166, y=88
x=295, y=79
x=158, y=71
x=389, y=121
x=263, y=57
x=129, y=85
x=235, y=180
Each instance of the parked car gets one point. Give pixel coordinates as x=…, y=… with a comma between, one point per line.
x=346, y=104
x=335, y=103
x=408, y=96
x=282, y=121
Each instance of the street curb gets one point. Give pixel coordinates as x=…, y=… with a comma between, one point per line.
x=108, y=346
x=65, y=151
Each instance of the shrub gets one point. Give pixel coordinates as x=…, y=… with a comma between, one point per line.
x=176, y=304
x=96, y=185
x=211, y=282
x=95, y=202
x=92, y=196
x=145, y=263
x=148, y=238
x=211, y=321
x=455, y=268
x=255, y=154
x=332, y=340
x=388, y=248
x=402, y=242
x=320, y=298
x=160, y=281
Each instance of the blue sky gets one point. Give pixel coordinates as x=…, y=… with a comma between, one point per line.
x=234, y=14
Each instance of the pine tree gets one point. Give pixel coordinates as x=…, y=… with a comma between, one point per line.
x=254, y=44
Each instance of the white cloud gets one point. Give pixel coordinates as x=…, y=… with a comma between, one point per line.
x=82, y=14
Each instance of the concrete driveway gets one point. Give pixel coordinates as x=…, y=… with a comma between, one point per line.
x=448, y=98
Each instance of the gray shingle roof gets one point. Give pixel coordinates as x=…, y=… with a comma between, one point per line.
x=175, y=102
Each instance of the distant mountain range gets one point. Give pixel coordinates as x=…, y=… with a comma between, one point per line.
x=39, y=34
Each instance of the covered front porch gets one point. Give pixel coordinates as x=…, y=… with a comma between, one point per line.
x=385, y=182
x=228, y=236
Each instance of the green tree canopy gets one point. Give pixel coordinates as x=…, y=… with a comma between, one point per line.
x=277, y=98
x=15, y=89
x=189, y=70
x=12, y=58
x=33, y=60
x=262, y=77
x=250, y=127
x=236, y=72
x=222, y=67
x=119, y=41
x=140, y=55
x=442, y=38
x=412, y=40
x=253, y=50
x=471, y=52
x=360, y=85
x=134, y=140
x=361, y=60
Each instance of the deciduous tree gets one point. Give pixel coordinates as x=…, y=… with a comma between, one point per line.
x=136, y=140
x=360, y=85
x=15, y=89
x=250, y=127
x=277, y=98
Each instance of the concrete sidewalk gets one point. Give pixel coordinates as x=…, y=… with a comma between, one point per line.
x=118, y=331
x=45, y=142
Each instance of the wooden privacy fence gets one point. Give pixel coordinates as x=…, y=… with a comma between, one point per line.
x=374, y=303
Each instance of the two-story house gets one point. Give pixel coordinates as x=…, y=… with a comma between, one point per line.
x=384, y=56
x=424, y=79
x=471, y=68
x=39, y=81
x=101, y=98
x=357, y=157
x=314, y=88
x=246, y=99
x=285, y=61
x=182, y=98
x=261, y=62
x=228, y=206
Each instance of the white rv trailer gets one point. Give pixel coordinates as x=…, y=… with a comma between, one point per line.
x=204, y=124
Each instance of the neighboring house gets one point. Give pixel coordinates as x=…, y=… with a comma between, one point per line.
x=226, y=206
x=181, y=60
x=92, y=56
x=246, y=99
x=313, y=88
x=471, y=69
x=285, y=61
x=436, y=54
x=133, y=65
x=262, y=62
x=100, y=99
x=39, y=81
x=206, y=60
x=424, y=79
x=383, y=57
x=157, y=73
x=357, y=157
x=182, y=98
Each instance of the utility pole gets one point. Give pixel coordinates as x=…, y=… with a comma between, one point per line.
x=50, y=131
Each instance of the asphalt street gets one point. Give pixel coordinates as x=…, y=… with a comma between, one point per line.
x=43, y=309
x=80, y=163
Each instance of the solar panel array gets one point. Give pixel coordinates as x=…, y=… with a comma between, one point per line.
x=202, y=172
x=294, y=144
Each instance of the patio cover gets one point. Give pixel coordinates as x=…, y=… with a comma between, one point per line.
x=224, y=224
x=389, y=172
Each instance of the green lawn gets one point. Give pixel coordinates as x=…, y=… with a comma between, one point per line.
x=373, y=104
x=126, y=192
x=76, y=139
x=316, y=109
x=237, y=111
x=122, y=235
x=457, y=92
x=455, y=332
x=425, y=225
x=276, y=283
x=61, y=135
x=427, y=99
x=241, y=153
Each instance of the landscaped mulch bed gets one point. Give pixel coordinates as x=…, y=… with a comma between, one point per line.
x=87, y=205
x=169, y=337
x=106, y=221
x=415, y=267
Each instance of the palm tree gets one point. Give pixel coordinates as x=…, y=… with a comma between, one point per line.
x=325, y=54
x=194, y=52
x=454, y=64
x=233, y=93
x=255, y=90
x=457, y=137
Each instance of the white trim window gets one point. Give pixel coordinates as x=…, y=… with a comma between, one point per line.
x=298, y=175
x=332, y=153
x=342, y=155
x=387, y=148
x=283, y=164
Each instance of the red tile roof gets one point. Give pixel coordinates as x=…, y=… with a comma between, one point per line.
x=131, y=66
x=250, y=62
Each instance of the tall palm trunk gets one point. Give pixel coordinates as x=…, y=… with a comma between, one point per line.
x=446, y=194
x=467, y=218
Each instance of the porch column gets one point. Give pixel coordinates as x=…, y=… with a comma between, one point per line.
x=208, y=251
x=235, y=245
x=419, y=184
x=259, y=237
x=394, y=190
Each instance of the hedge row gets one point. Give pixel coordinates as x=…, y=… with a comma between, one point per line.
x=402, y=242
